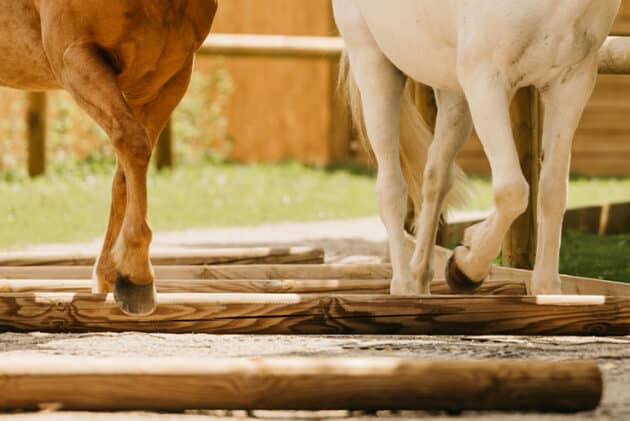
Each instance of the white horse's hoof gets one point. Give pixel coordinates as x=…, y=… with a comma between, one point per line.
x=457, y=280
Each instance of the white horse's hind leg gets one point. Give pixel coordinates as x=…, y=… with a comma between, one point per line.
x=453, y=127
x=564, y=101
x=489, y=101
x=381, y=86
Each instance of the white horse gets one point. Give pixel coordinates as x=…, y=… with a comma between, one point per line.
x=475, y=54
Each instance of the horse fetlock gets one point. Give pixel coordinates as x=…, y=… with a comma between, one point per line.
x=545, y=285
x=103, y=275
x=422, y=271
x=405, y=287
x=512, y=198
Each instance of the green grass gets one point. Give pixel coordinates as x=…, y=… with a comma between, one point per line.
x=604, y=257
x=73, y=205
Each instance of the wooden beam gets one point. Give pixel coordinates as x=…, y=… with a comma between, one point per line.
x=519, y=245
x=36, y=133
x=277, y=271
x=214, y=256
x=177, y=384
x=351, y=278
x=614, y=56
x=277, y=46
x=322, y=314
x=268, y=286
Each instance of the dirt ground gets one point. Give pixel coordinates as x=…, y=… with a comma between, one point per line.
x=344, y=241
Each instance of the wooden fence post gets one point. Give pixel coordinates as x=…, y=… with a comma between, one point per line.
x=36, y=133
x=164, y=147
x=519, y=245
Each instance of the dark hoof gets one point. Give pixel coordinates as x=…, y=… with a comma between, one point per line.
x=134, y=300
x=457, y=280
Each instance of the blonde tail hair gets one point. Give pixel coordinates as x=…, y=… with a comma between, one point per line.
x=415, y=139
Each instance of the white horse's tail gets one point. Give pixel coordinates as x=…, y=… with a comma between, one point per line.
x=415, y=139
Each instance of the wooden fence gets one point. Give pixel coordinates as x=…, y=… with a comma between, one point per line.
x=307, y=122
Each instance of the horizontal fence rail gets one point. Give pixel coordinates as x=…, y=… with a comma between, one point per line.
x=272, y=46
x=614, y=58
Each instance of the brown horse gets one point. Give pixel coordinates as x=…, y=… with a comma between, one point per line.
x=127, y=63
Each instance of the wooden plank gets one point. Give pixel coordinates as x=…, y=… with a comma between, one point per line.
x=189, y=257
x=280, y=271
x=36, y=132
x=615, y=218
x=519, y=245
x=321, y=314
x=501, y=279
x=570, y=284
x=276, y=46
x=269, y=286
x=177, y=384
x=621, y=26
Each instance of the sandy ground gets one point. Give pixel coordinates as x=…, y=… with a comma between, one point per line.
x=344, y=241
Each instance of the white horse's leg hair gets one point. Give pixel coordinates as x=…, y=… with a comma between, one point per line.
x=452, y=130
x=564, y=101
x=489, y=101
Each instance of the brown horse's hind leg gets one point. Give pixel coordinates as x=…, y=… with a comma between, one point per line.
x=153, y=117
x=93, y=84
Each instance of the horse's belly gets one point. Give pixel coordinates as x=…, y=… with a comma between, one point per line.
x=418, y=37
x=23, y=63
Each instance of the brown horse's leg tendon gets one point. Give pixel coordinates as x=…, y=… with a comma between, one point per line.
x=105, y=269
x=92, y=83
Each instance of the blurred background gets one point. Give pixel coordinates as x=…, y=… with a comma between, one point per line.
x=259, y=140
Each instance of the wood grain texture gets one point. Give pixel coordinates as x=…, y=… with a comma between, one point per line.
x=316, y=314
x=299, y=383
x=279, y=271
x=519, y=244
x=258, y=286
x=622, y=23
x=215, y=256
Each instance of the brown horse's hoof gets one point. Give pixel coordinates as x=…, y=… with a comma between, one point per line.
x=134, y=300
x=457, y=280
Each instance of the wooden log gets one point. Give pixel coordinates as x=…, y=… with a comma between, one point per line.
x=215, y=256
x=277, y=46
x=323, y=314
x=36, y=133
x=269, y=286
x=614, y=56
x=177, y=384
x=519, y=245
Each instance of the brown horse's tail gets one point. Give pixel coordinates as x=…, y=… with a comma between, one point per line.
x=415, y=138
